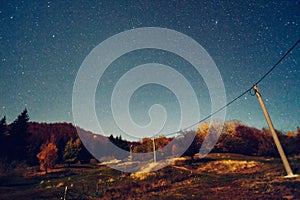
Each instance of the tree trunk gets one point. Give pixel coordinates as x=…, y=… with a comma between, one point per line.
x=192, y=158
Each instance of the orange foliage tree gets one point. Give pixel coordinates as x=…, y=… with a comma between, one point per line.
x=47, y=156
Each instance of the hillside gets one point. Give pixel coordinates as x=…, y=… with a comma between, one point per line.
x=225, y=176
x=243, y=164
x=235, y=138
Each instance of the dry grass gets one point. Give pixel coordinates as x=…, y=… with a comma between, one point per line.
x=225, y=176
x=231, y=166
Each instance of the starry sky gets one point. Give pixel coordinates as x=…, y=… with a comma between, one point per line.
x=43, y=43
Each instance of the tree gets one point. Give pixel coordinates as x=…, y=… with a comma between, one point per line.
x=145, y=146
x=210, y=134
x=119, y=142
x=203, y=129
x=3, y=126
x=267, y=146
x=48, y=156
x=18, y=136
x=161, y=142
x=71, y=151
x=228, y=140
x=195, y=146
x=161, y=147
x=226, y=143
x=3, y=137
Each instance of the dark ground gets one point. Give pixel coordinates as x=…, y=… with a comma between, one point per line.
x=218, y=176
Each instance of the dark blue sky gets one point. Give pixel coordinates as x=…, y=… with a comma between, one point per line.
x=43, y=44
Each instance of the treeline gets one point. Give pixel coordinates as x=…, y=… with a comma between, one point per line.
x=241, y=139
x=43, y=144
x=13, y=138
x=235, y=137
x=46, y=144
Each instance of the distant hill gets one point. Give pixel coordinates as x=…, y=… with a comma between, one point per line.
x=60, y=134
x=235, y=138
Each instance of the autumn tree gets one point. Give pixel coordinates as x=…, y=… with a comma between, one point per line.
x=161, y=143
x=203, y=129
x=71, y=151
x=246, y=142
x=210, y=134
x=228, y=140
x=145, y=146
x=291, y=144
x=47, y=156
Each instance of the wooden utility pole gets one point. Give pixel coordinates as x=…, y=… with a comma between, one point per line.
x=275, y=137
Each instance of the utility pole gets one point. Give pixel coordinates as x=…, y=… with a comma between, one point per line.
x=154, y=153
x=275, y=137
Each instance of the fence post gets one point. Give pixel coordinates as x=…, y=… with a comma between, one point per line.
x=65, y=194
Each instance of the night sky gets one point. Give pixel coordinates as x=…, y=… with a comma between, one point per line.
x=43, y=44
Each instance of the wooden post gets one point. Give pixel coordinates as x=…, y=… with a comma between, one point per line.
x=97, y=188
x=154, y=152
x=65, y=194
x=274, y=135
x=130, y=152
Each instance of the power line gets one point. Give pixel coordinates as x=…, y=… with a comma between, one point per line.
x=278, y=62
x=242, y=94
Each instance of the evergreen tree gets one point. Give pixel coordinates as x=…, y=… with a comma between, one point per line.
x=3, y=137
x=18, y=136
x=3, y=126
x=119, y=143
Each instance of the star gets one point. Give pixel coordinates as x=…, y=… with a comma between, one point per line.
x=44, y=44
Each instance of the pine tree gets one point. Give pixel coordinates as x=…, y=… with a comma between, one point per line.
x=3, y=126
x=18, y=136
x=3, y=137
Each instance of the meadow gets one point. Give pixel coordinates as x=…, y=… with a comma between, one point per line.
x=218, y=175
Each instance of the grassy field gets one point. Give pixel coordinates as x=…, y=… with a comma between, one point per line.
x=218, y=176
